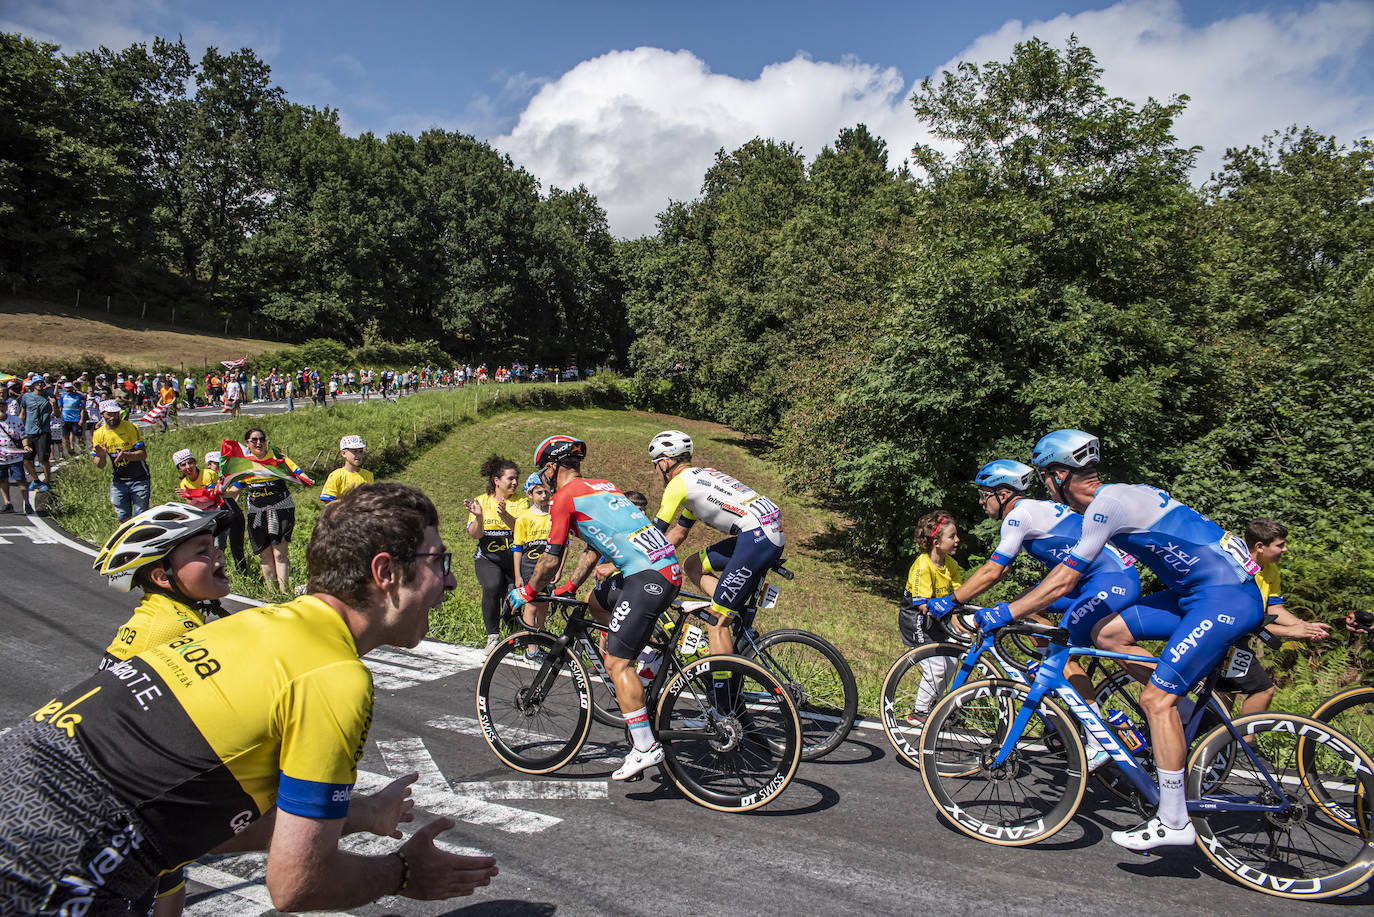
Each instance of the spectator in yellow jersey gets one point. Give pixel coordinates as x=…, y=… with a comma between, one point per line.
x=528, y=540
x=250, y=730
x=1267, y=540
x=118, y=441
x=934, y=574
x=491, y=519
x=352, y=474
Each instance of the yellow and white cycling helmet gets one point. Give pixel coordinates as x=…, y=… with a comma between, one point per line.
x=149, y=537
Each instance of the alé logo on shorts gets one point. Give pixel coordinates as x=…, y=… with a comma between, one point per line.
x=1190, y=640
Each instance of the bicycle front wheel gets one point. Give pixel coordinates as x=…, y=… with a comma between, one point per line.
x=916, y=681
x=533, y=703
x=818, y=680
x=1032, y=794
x=1352, y=712
x=1297, y=849
x=731, y=738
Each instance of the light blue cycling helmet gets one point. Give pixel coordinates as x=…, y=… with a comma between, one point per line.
x=1069, y=448
x=1005, y=473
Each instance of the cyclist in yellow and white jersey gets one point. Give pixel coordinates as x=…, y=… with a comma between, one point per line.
x=729, y=570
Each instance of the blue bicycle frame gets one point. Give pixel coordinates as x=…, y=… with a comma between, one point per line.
x=1050, y=679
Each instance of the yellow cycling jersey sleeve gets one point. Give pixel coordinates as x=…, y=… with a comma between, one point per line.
x=158, y=619
x=927, y=581
x=341, y=481
x=1268, y=581
x=674, y=495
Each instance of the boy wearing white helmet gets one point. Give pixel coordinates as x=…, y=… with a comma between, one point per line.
x=729, y=570
x=1210, y=599
x=352, y=474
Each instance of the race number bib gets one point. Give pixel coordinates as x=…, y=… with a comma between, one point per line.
x=1236, y=550
x=652, y=543
x=765, y=509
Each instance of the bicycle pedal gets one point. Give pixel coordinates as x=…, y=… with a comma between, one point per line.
x=635, y=779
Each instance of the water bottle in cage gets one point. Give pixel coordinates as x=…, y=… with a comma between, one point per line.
x=1130, y=736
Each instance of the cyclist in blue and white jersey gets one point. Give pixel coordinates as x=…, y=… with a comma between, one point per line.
x=1209, y=593
x=1046, y=531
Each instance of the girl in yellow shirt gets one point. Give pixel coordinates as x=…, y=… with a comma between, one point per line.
x=934, y=574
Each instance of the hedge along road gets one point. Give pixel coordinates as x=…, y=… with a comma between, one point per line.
x=852, y=834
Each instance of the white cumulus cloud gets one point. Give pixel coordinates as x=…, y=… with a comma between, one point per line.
x=640, y=127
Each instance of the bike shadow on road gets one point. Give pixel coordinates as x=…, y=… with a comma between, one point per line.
x=503, y=907
x=851, y=751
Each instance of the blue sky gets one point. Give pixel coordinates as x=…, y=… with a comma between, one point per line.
x=632, y=99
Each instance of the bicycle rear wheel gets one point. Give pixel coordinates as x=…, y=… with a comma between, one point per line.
x=1351, y=712
x=1029, y=797
x=1304, y=850
x=731, y=738
x=818, y=680
x=916, y=681
x=534, y=712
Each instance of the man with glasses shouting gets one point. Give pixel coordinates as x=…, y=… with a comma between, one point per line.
x=245, y=730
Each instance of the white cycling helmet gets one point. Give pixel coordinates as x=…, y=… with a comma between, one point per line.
x=149, y=537
x=1069, y=448
x=672, y=444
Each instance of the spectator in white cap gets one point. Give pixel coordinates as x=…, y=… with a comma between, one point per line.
x=12, y=459
x=198, y=488
x=119, y=441
x=352, y=474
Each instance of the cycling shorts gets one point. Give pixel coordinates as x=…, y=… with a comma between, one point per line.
x=741, y=562
x=1213, y=619
x=1097, y=598
x=51, y=794
x=1254, y=681
x=635, y=605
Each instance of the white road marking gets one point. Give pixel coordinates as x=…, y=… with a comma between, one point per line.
x=394, y=669
x=235, y=896
x=532, y=789
x=30, y=533
x=433, y=793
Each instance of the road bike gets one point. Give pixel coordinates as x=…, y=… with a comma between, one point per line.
x=812, y=670
x=730, y=735
x=1004, y=763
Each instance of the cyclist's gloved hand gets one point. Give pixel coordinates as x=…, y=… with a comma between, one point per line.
x=989, y=619
x=942, y=606
x=518, y=597
x=568, y=588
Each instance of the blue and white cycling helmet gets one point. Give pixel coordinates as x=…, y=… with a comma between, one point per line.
x=1067, y=448
x=1005, y=473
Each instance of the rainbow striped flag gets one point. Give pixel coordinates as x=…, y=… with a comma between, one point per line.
x=235, y=462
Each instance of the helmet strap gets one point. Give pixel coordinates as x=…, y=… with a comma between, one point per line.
x=1005, y=500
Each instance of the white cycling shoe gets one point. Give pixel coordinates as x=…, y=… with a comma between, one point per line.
x=1154, y=833
x=637, y=761
x=1097, y=758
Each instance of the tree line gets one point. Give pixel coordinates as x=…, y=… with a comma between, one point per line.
x=198, y=184
x=887, y=330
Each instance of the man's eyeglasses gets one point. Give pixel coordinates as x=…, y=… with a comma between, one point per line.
x=256, y=439
x=446, y=562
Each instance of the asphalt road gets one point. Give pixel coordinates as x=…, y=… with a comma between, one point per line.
x=853, y=834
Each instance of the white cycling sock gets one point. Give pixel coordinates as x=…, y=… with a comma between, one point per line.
x=1173, y=805
x=1093, y=742
x=640, y=733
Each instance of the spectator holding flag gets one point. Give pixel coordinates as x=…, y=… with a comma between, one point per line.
x=200, y=488
x=352, y=474
x=263, y=471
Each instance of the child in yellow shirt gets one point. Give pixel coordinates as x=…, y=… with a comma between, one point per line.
x=934, y=574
